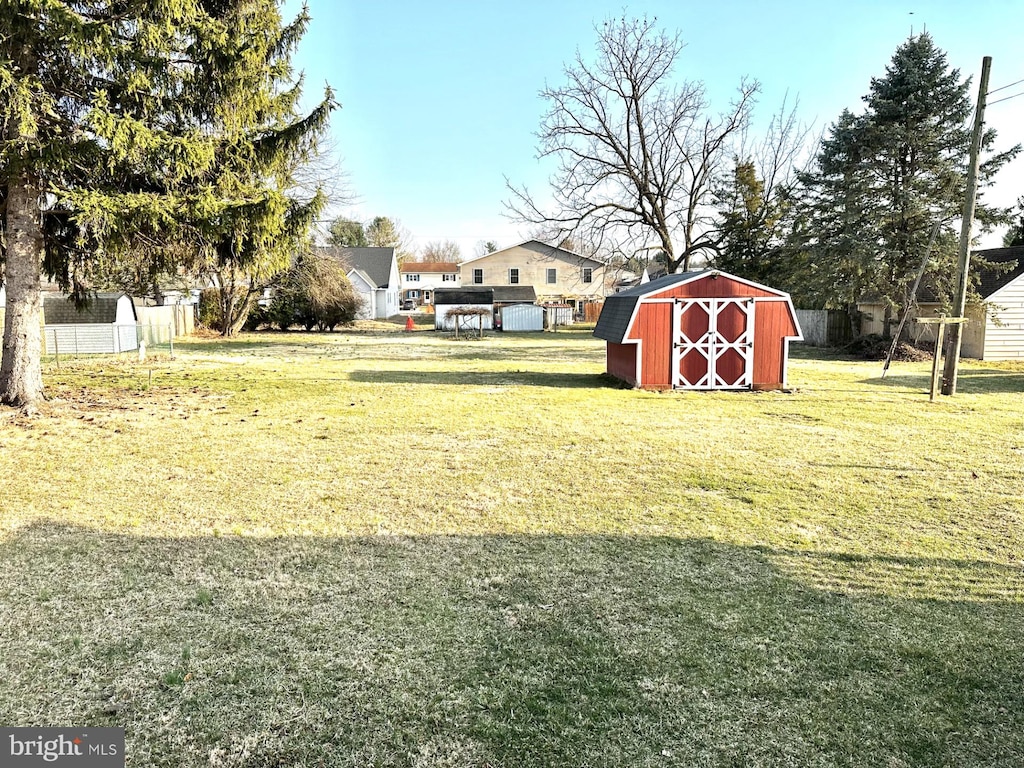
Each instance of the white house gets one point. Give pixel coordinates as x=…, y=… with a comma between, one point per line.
x=995, y=325
x=421, y=278
x=995, y=330
x=374, y=276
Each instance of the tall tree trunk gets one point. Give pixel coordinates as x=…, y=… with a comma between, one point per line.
x=21, y=376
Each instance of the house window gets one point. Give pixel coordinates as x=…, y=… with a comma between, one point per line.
x=414, y=294
x=478, y=277
x=413, y=278
x=513, y=276
x=552, y=276
x=588, y=275
x=447, y=278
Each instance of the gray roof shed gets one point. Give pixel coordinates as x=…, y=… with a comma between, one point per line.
x=613, y=323
x=102, y=308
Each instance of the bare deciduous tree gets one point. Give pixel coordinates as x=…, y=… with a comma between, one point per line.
x=446, y=251
x=638, y=154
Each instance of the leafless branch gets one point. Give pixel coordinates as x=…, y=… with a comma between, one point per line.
x=636, y=154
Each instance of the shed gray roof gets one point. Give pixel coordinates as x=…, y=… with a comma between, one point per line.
x=468, y=295
x=618, y=308
x=375, y=262
x=486, y=294
x=58, y=309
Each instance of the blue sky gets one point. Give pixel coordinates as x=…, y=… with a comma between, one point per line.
x=440, y=100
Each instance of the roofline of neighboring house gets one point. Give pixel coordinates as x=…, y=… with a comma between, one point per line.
x=534, y=240
x=411, y=266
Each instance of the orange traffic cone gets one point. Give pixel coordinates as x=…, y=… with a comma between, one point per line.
x=408, y=323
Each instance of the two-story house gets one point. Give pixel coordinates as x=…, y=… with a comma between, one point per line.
x=421, y=278
x=557, y=275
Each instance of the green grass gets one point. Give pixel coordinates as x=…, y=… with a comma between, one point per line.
x=396, y=549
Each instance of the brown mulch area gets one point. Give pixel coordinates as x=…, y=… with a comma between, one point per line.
x=874, y=347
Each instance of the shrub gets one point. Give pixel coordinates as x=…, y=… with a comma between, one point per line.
x=314, y=293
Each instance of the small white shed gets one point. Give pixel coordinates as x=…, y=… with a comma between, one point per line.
x=107, y=325
x=521, y=317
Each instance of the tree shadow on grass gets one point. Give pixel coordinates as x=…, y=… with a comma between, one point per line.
x=510, y=651
x=973, y=381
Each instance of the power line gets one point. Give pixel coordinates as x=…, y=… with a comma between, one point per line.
x=1006, y=98
x=1004, y=87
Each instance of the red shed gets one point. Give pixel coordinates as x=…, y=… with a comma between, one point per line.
x=699, y=330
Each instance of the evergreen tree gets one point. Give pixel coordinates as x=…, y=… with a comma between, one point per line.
x=86, y=89
x=251, y=218
x=384, y=232
x=153, y=132
x=1015, y=234
x=884, y=179
x=347, y=233
x=750, y=226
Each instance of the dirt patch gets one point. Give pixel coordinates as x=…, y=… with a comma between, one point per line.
x=100, y=407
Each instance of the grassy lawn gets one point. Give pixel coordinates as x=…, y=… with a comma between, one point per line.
x=392, y=549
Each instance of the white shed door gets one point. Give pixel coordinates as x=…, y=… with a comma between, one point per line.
x=713, y=343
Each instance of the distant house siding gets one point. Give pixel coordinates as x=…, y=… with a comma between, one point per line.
x=533, y=263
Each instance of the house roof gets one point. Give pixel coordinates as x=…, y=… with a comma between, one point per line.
x=537, y=245
x=486, y=294
x=991, y=280
x=432, y=267
x=375, y=262
x=1010, y=263
x=619, y=308
x=58, y=309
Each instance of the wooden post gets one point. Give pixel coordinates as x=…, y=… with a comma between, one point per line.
x=935, y=361
x=942, y=321
x=960, y=302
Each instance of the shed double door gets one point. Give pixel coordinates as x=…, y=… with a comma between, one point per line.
x=713, y=343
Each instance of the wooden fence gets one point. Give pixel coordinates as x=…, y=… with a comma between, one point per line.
x=824, y=327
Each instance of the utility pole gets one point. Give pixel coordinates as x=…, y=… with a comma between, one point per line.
x=960, y=302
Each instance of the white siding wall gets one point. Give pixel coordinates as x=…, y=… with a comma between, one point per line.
x=1006, y=340
x=522, y=317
